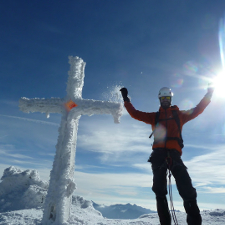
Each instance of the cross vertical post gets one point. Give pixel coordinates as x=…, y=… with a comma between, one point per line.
x=62, y=183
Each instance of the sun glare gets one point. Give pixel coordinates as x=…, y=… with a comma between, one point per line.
x=219, y=84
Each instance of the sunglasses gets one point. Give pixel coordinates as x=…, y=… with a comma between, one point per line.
x=165, y=97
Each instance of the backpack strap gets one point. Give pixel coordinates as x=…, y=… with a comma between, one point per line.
x=177, y=120
x=156, y=123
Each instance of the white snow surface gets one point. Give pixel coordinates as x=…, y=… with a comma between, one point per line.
x=22, y=195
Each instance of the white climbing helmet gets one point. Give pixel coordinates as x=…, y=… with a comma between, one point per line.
x=165, y=91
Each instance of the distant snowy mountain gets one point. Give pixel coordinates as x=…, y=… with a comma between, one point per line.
x=22, y=195
x=119, y=211
x=24, y=190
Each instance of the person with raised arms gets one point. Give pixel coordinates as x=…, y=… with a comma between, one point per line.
x=167, y=147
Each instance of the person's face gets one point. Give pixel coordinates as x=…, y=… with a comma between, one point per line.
x=165, y=101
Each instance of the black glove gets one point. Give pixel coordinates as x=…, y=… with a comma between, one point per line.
x=124, y=93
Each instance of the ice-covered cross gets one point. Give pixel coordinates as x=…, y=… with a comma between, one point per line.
x=62, y=185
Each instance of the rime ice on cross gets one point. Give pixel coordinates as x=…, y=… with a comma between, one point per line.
x=62, y=185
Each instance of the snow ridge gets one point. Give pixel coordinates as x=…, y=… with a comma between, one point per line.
x=120, y=211
x=22, y=204
x=21, y=190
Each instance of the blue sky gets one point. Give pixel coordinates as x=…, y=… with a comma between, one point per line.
x=142, y=45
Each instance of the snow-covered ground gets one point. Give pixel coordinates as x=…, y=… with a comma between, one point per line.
x=22, y=195
x=89, y=216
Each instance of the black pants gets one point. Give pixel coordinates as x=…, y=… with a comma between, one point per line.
x=183, y=182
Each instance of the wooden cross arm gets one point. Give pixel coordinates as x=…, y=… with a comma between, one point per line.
x=91, y=107
x=53, y=105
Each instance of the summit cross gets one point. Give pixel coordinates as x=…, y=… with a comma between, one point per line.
x=62, y=185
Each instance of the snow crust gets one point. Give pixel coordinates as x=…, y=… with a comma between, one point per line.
x=62, y=184
x=21, y=189
x=75, y=81
x=42, y=105
x=19, y=209
x=85, y=107
x=92, y=107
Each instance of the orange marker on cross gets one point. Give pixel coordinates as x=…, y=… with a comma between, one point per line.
x=69, y=105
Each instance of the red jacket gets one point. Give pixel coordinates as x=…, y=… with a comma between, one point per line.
x=168, y=126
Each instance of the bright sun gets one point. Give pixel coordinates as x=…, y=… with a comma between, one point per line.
x=219, y=84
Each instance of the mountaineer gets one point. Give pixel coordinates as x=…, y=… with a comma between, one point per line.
x=167, y=147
